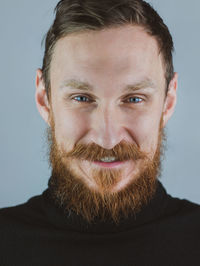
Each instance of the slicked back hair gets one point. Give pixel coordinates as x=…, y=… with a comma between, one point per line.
x=73, y=16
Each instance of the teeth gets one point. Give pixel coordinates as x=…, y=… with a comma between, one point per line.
x=108, y=159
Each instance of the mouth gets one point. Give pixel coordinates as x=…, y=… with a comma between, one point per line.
x=108, y=164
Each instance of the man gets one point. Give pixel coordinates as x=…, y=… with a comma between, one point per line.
x=106, y=89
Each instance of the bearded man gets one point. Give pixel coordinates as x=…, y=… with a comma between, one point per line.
x=106, y=90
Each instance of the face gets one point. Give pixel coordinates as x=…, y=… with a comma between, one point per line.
x=108, y=98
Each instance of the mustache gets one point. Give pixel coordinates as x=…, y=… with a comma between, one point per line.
x=93, y=152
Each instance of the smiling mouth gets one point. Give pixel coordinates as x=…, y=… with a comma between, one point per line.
x=108, y=164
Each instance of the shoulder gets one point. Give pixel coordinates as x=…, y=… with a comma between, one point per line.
x=20, y=228
x=181, y=215
x=183, y=207
x=30, y=212
x=172, y=209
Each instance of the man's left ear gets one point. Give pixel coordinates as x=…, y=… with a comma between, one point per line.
x=170, y=100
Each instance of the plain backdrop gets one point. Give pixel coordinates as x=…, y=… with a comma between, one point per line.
x=23, y=160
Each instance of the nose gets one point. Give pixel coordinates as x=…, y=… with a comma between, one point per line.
x=107, y=127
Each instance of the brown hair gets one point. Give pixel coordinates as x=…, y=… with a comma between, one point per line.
x=83, y=15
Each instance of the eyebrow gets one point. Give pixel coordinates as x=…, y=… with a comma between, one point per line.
x=85, y=86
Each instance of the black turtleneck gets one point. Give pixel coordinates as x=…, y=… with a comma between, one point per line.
x=37, y=233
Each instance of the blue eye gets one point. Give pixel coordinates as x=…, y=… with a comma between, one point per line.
x=135, y=100
x=81, y=99
x=84, y=99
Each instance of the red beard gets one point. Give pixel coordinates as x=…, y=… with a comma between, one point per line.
x=69, y=191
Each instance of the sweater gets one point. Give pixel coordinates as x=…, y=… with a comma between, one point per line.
x=38, y=233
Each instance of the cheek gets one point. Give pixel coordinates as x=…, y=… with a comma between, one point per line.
x=144, y=127
x=148, y=134
x=70, y=126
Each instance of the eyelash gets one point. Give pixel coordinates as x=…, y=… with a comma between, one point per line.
x=83, y=96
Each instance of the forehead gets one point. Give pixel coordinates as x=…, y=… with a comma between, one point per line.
x=110, y=52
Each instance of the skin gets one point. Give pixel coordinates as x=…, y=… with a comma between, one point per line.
x=108, y=60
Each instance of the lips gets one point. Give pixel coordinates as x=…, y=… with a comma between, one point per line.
x=108, y=165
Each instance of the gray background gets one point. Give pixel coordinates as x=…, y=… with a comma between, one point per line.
x=24, y=167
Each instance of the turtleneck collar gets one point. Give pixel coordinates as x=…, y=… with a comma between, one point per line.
x=71, y=221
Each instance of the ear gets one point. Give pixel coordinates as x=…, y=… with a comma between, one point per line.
x=170, y=100
x=41, y=99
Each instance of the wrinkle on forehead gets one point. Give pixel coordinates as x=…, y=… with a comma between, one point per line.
x=110, y=54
